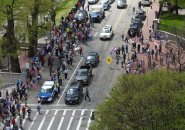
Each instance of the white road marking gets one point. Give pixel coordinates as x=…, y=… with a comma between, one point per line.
x=106, y=45
x=71, y=119
x=80, y=121
x=62, y=109
x=95, y=34
x=69, y=81
x=89, y=121
x=51, y=122
x=43, y=120
x=33, y=121
x=61, y=121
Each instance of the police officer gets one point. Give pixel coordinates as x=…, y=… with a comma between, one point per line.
x=60, y=80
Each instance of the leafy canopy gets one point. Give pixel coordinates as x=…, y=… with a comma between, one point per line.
x=153, y=101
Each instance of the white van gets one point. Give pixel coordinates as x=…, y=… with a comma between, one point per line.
x=121, y=4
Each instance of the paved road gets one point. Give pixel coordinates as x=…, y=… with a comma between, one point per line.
x=104, y=76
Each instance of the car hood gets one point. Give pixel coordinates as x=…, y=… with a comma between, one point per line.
x=90, y=60
x=80, y=77
x=71, y=96
x=45, y=94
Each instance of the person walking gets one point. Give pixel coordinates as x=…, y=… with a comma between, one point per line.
x=87, y=94
x=20, y=122
x=66, y=73
x=38, y=108
x=29, y=113
x=23, y=111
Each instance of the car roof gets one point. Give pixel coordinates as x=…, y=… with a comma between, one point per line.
x=74, y=84
x=96, y=8
x=46, y=87
x=48, y=83
x=139, y=11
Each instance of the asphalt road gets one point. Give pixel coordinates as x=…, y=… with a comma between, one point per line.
x=57, y=115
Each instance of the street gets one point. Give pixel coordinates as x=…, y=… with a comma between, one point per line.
x=57, y=115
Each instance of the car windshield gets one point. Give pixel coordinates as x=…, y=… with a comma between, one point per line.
x=46, y=90
x=90, y=57
x=81, y=73
x=95, y=13
x=72, y=91
x=105, y=30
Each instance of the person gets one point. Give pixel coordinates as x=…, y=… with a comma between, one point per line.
x=23, y=111
x=81, y=51
x=20, y=122
x=122, y=36
x=65, y=73
x=87, y=94
x=29, y=113
x=60, y=80
x=38, y=108
x=133, y=9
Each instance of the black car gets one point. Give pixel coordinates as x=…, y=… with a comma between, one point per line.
x=81, y=16
x=138, y=22
x=92, y=59
x=134, y=30
x=140, y=14
x=74, y=94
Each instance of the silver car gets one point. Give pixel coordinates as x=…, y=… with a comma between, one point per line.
x=121, y=4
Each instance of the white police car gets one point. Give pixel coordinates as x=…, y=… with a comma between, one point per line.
x=47, y=93
x=106, y=32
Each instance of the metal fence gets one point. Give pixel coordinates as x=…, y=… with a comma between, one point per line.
x=172, y=29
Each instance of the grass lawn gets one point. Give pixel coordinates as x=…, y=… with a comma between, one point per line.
x=64, y=8
x=177, y=21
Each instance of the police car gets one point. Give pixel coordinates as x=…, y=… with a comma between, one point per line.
x=47, y=93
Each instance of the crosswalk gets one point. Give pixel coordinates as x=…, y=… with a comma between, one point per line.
x=59, y=119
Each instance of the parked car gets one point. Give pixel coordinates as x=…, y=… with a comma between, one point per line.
x=97, y=13
x=137, y=21
x=134, y=30
x=84, y=74
x=105, y=4
x=106, y=32
x=140, y=14
x=146, y=2
x=92, y=59
x=121, y=4
x=74, y=93
x=47, y=93
x=111, y=1
x=93, y=1
x=81, y=15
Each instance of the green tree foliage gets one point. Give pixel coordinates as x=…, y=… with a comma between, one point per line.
x=35, y=9
x=153, y=101
x=9, y=42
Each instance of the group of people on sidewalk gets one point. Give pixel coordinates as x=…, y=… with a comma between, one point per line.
x=12, y=112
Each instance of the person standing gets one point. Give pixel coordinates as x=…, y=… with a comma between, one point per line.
x=23, y=111
x=20, y=122
x=66, y=73
x=29, y=113
x=87, y=94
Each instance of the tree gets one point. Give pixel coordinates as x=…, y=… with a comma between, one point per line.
x=35, y=8
x=176, y=3
x=9, y=41
x=155, y=100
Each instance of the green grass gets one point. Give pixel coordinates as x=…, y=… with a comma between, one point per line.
x=64, y=8
x=177, y=21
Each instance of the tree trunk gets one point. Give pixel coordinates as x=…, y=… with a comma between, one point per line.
x=176, y=7
x=12, y=41
x=33, y=29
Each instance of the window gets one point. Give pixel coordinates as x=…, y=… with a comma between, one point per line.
x=46, y=90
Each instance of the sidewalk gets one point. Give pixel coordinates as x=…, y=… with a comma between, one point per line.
x=147, y=24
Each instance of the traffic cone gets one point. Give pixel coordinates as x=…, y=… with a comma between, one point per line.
x=92, y=116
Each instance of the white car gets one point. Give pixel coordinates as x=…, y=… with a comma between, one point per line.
x=106, y=32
